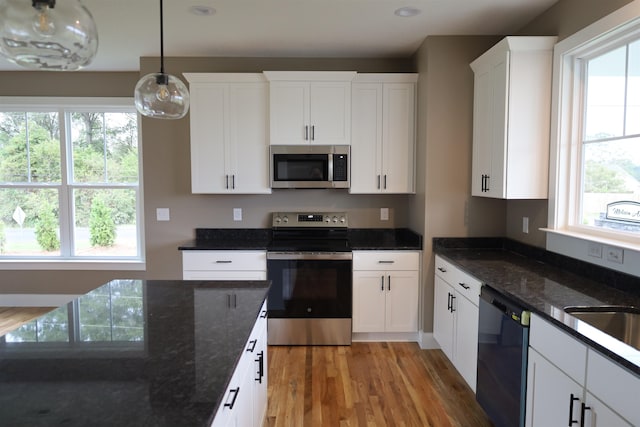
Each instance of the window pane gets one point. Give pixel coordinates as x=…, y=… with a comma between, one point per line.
x=105, y=222
x=52, y=327
x=112, y=313
x=606, y=95
x=105, y=147
x=611, y=174
x=29, y=222
x=29, y=147
x=633, y=90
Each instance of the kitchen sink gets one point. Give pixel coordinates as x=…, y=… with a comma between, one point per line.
x=621, y=322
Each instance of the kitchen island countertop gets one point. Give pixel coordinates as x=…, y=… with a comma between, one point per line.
x=129, y=354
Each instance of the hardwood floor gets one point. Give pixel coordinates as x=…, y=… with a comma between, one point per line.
x=13, y=317
x=368, y=384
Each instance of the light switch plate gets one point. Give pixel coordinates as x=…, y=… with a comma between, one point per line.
x=237, y=214
x=163, y=214
x=384, y=214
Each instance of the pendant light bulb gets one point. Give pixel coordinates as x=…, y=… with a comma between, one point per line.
x=161, y=95
x=52, y=35
x=42, y=21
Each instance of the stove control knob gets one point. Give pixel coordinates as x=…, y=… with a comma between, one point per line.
x=343, y=219
x=285, y=219
x=277, y=220
x=335, y=219
x=327, y=219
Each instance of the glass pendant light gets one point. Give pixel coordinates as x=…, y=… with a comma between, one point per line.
x=161, y=95
x=58, y=35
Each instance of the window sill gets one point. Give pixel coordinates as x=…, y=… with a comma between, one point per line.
x=583, y=246
x=34, y=264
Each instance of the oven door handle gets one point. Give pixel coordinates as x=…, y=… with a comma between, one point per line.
x=309, y=256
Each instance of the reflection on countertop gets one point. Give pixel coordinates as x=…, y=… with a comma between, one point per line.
x=130, y=353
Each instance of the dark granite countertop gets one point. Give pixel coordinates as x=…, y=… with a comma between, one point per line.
x=130, y=353
x=545, y=283
x=260, y=239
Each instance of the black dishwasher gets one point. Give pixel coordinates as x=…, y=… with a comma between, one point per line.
x=503, y=341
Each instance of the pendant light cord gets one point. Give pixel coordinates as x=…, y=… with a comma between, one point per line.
x=161, y=40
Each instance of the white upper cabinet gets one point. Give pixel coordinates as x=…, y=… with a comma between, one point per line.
x=511, y=118
x=229, y=140
x=309, y=107
x=383, y=133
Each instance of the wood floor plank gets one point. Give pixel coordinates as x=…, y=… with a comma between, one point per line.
x=370, y=385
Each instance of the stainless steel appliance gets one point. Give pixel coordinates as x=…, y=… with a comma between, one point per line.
x=309, y=263
x=310, y=166
x=503, y=340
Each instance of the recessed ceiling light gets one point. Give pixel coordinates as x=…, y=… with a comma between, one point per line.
x=202, y=10
x=407, y=11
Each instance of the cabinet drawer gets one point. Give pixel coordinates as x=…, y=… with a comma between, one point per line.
x=386, y=260
x=559, y=348
x=224, y=260
x=614, y=385
x=464, y=283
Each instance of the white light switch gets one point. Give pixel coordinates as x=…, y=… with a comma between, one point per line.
x=237, y=214
x=384, y=214
x=163, y=214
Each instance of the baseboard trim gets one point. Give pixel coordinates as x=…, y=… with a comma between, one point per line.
x=427, y=341
x=384, y=336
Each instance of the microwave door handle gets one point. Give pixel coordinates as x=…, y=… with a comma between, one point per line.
x=330, y=168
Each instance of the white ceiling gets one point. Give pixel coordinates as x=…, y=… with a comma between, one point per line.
x=129, y=29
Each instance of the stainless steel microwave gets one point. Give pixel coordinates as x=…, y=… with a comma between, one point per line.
x=310, y=166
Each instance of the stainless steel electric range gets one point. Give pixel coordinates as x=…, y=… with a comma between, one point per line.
x=309, y=263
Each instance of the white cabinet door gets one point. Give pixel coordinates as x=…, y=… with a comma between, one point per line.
x=398, y=136
x=512, y=105
x=369, y=296
x=466, y=339
x=208, y=135
x=330, y=113
x=289, y=112
x=248, y=138
x=383, y=134
x=260, y=379
x=597, y=414
x=549, y=394
x=401, y=313
x=228, y=122
x=366, y=138
x=443, y=319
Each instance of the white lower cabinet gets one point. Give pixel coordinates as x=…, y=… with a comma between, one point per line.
x=224, y=265
x=569, y=383
x=385, y=291
x=455, y=318
x=245, y=401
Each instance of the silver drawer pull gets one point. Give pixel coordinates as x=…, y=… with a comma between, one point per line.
x=223, y=262
x=385, y=262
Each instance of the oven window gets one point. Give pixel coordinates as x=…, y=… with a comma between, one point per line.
x=304, y=167
x=310, y=288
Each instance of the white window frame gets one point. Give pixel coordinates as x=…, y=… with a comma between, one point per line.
x=566, y=124
x=61, y=104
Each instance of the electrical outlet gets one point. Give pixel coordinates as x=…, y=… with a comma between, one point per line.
x=525, y=224
x=237, y=214
x=615, y=254
x=595, y=250
x=384, y=214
